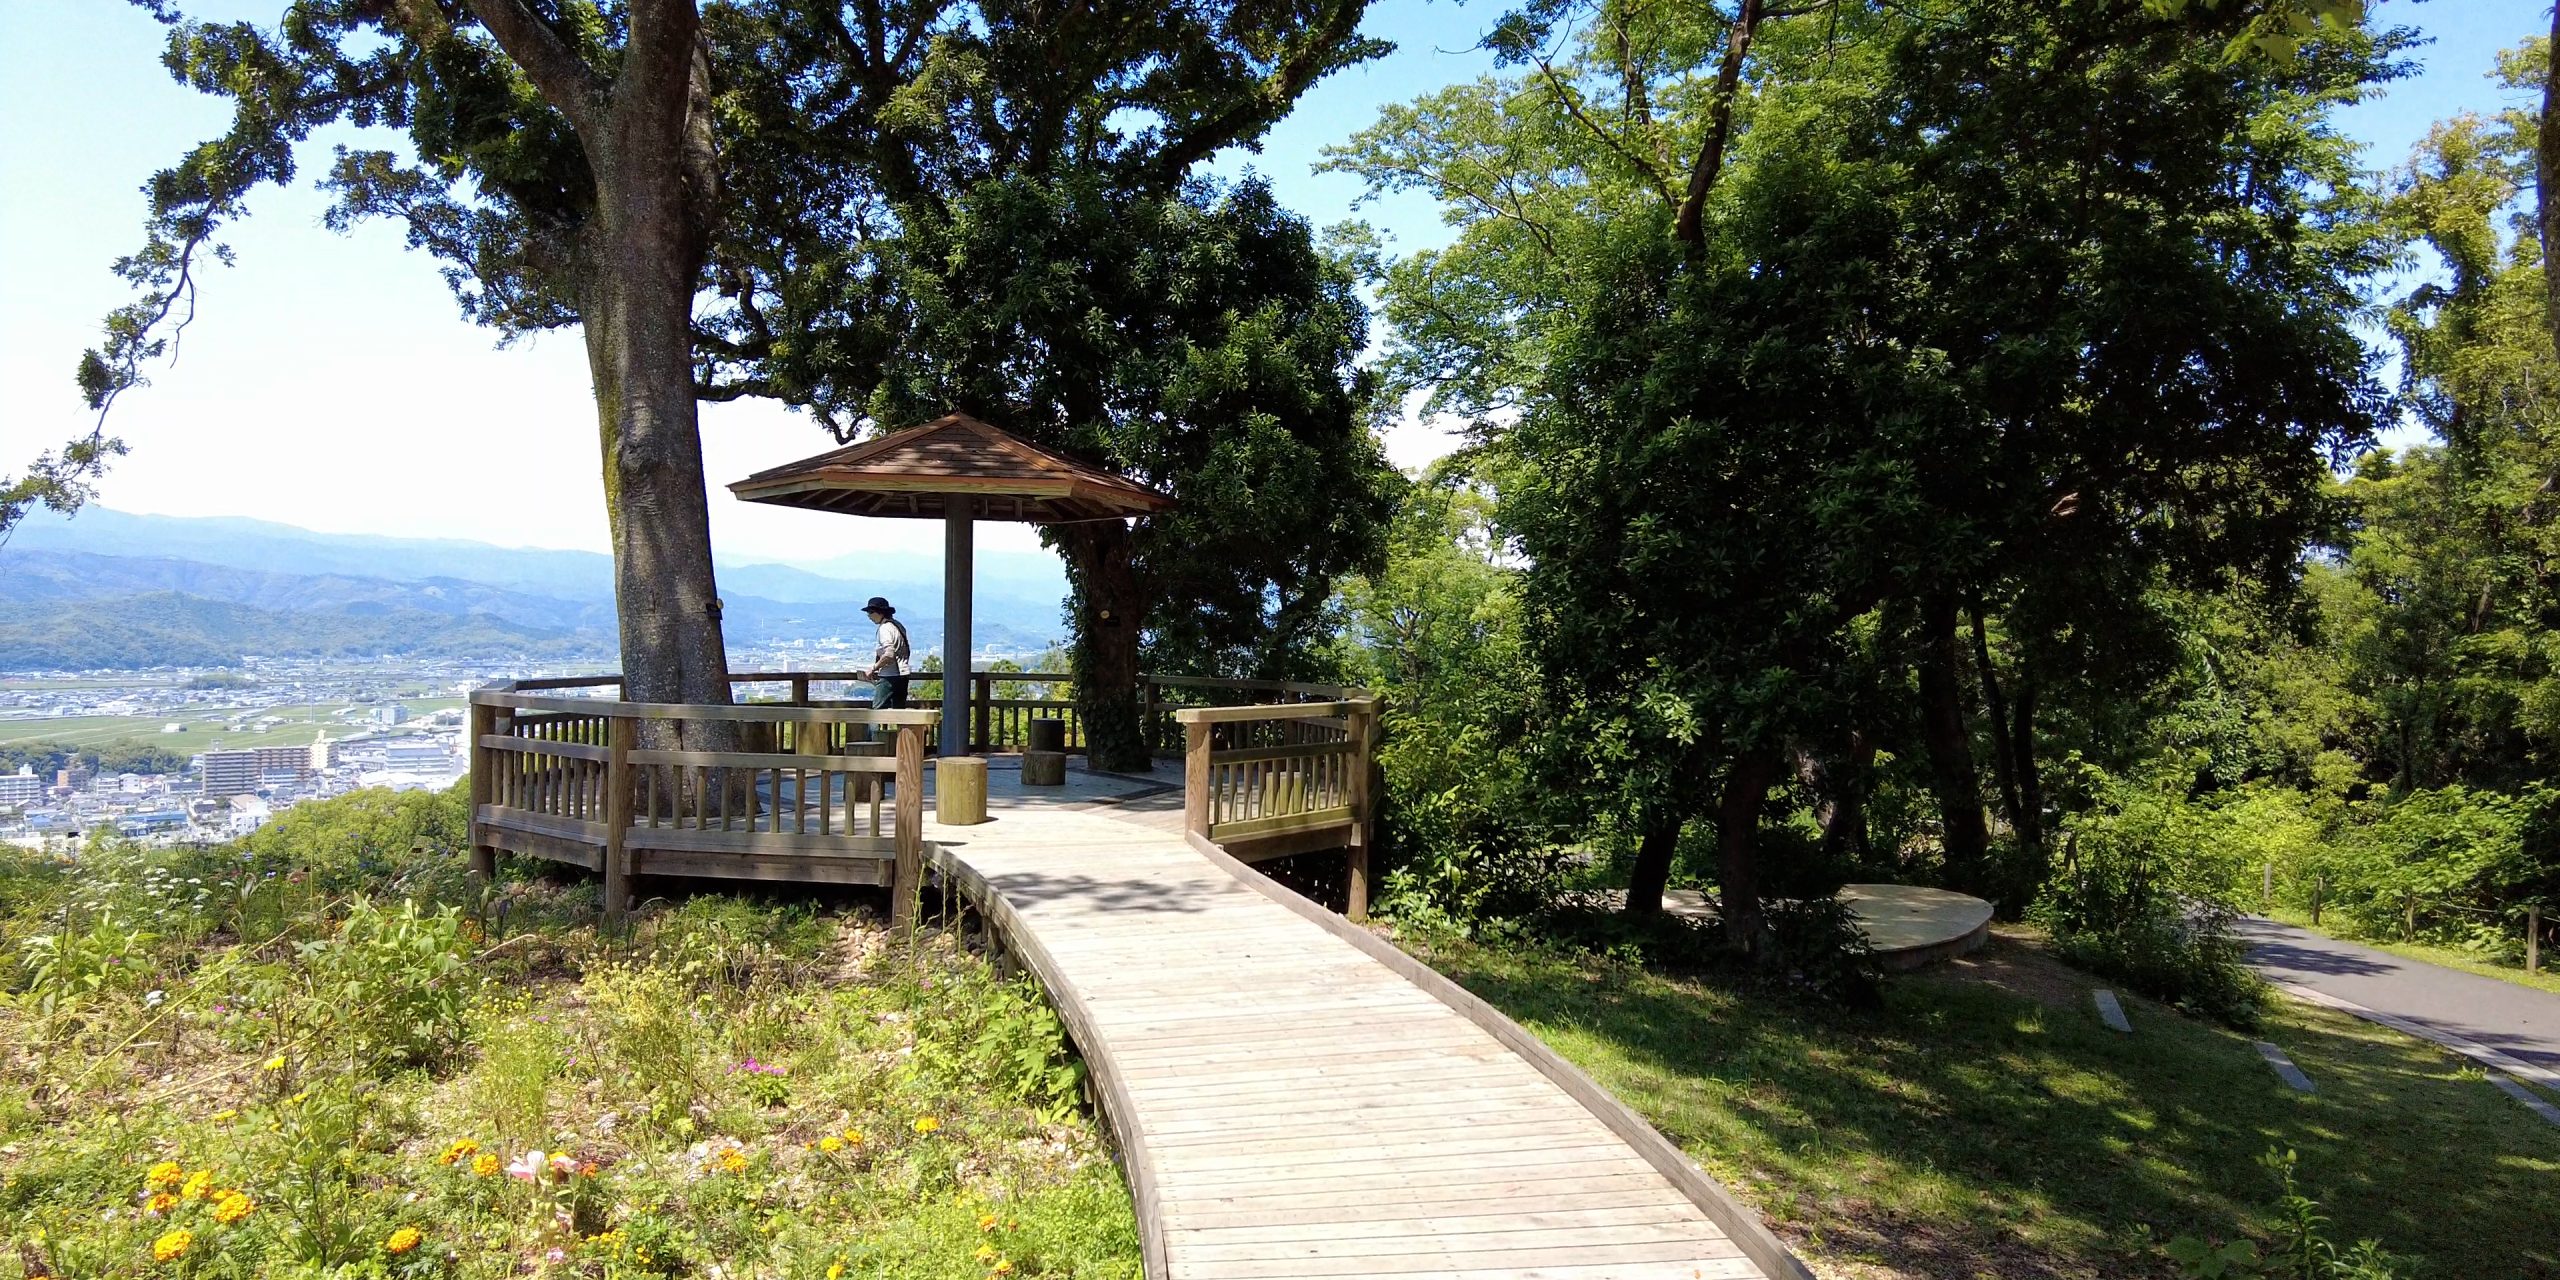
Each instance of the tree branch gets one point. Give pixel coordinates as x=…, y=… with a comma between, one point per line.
x=1573, y=107
x=1687, y=226
x=564, y=78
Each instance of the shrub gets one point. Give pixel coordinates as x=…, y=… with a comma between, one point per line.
x=399, y=980
x=2303, y=1250
x=2141, y=897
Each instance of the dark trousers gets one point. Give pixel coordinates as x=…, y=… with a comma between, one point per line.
x=888, y=693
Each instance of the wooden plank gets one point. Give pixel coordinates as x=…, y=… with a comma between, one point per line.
x=1297, y=751
x=764, y=760
x=765, y=843
x=617, y=821
x=1620, y=1269
x=1282, y=711
x=789, y=868
x=1439, y=1249
x=539, y=747
x=1336, y=818
x=576, y=853
x=543, y=824
x=1488, y=1214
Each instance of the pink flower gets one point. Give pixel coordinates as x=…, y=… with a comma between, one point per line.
x=526, y=1167
x=562, y=1166
x=556, y=1255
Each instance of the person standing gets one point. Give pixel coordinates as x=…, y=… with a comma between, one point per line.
x=892, y=659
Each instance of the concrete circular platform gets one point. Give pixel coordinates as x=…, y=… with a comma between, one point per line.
x=1907, y=925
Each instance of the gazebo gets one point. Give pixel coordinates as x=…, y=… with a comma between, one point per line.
x=958, y=470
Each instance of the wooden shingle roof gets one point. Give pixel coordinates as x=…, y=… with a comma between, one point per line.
x=920, y=471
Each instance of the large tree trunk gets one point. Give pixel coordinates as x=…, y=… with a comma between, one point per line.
x=2030, y=819
x=2546, y=173
x=2004, y=747
x=1656, y=842
x=1108, y=610
x=639, y=348
x=1840, y=790
x=1964, y=835
x=1746, y=790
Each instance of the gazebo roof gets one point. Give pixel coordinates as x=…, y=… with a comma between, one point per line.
x=921, y=471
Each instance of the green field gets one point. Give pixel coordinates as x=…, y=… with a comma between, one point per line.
x=205, y=728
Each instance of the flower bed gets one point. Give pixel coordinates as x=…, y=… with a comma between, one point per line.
x=278, y=1076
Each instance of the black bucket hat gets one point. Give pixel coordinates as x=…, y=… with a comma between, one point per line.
x=880, y=604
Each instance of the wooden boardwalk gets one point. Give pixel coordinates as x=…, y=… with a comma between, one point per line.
x=1295, y=1098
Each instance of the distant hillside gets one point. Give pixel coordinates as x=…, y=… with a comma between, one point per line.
x=1005, y=579
x=169, y=629
x=58, y=578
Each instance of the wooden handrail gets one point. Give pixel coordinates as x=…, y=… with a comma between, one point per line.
x=1272, y=711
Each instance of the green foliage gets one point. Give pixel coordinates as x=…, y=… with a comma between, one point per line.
x=2302, y=1251
x=1437, y=632
x=402, y=979
x=113, y=757
x=2141, y=897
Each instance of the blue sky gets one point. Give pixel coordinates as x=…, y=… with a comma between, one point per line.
x=328, y=381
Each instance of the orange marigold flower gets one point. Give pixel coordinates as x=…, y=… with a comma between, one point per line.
x=461, y=1148
x=484, y=1165
x=927, y=1124
x=986, y=1222
x=173, y=1245
x=731, y=1160
x=232, y=1207
x=160, y=1203
x=164, y=1174
x=1003, y=1266
x=403, y=1240
x=197, y=1184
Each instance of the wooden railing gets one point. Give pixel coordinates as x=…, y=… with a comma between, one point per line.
x=798, y=798
x=1271, y=780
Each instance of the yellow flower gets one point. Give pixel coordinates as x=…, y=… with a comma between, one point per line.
x=853, y=1137
x=927, y=1124
x=986, y=1222
x=232, y=1207
x=458, y=1150
x=835, y=1270
x=731, y=1160
x=484, y=1165
x=276, y=1063
x=173, y=1245
x=160, y=1203
x=987, y=1253
x=164, y=1174
x=1003, y=1266
x=830, y=1143
x=198, y=1183
x=296, y=1100
x=225, y=1116
x=403, y=1240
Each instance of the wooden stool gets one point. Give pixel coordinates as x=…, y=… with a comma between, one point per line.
x=960, y=790
x=1044, y=768
x=1048, y=733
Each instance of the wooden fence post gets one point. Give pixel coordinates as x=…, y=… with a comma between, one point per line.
x=982, y=715
x=906, y=883
x=484, y=857
x=617, y=818
x=2319, y=890
x=799, y=691
x=2533, y=939
x=1195, y=778
x=1364, y=736
x=2408, y=917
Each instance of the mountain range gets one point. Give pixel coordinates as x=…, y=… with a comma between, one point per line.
x=115, y=589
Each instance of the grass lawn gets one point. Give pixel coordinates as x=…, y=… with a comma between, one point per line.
x=2449, y=957
x=1984, y=1123
x=233, y=1067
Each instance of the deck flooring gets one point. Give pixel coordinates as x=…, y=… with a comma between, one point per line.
x=1295, y=1107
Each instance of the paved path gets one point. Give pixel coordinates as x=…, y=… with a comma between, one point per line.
x=2518, y=1021
x=1290, y=1101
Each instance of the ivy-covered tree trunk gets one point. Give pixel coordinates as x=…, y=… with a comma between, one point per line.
x=1949, y=745
x=1107, y=611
